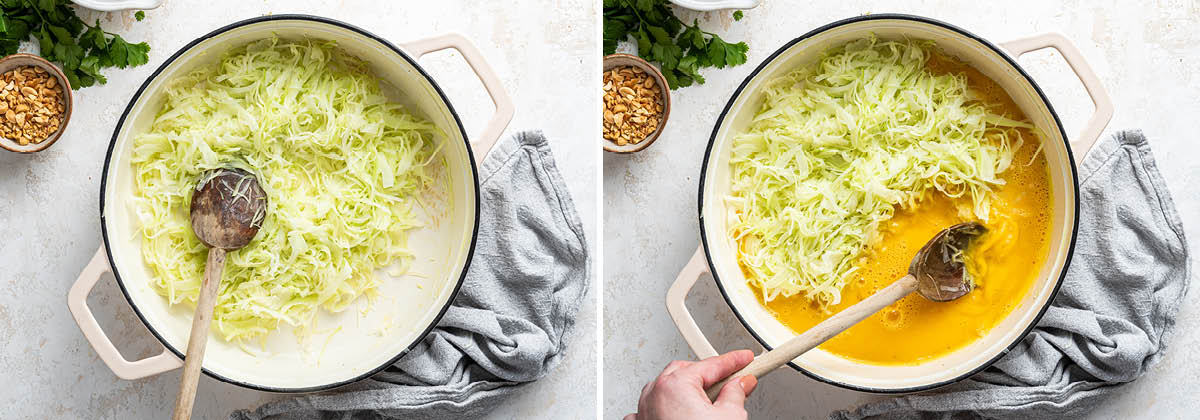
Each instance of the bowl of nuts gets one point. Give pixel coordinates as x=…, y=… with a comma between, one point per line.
x=637, y=103
x=35, y=103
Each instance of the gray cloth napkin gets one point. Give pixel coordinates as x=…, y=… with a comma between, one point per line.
x=1112, y=316
x=510, y=321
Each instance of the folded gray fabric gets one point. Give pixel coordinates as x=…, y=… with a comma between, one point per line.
x=1112, y=316
x=509, y=324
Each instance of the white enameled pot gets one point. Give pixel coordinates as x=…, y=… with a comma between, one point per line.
x=407, y=307
x=716, y=254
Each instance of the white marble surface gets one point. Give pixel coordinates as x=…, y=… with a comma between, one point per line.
x=1146, y=53
x=546, y=57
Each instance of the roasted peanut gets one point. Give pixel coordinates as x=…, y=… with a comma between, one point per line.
x=31, y=103
x=632, y=105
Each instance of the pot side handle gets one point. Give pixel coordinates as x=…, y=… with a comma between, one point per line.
x=676, y=306
x=77, y=302
x=491, y=82
x=1100, y=99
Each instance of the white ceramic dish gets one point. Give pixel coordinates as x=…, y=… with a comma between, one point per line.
x=716, y=255
x=115, y=5
x=710, y=5
x=369, y=340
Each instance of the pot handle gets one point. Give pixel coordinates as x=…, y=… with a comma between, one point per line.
x=1100, y=99
x=676, y=306
x=504, y=105
x=77, y=302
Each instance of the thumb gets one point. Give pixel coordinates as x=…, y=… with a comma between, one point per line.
x=734, y=393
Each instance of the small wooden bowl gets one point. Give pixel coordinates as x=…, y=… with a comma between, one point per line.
x=22, y=60
x=621, y=60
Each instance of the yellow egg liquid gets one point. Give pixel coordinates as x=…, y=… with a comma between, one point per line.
x=1004, y=262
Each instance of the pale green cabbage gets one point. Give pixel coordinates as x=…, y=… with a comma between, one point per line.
x=837, y=147
x=342, y=167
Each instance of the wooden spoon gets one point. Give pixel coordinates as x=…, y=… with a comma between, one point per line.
x=936, y=272
x=228, y=207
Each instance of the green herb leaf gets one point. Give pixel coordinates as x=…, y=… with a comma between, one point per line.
x=735, y=54
x=17, y=29
x=736, y=15
x=81, y=50
x=692, y=37
x=643, y=42
x=615, y=29
x=46, y=43
x=124, y=54
x=142, y=15
x=61, y=35
x=45, y=5
x=93, y=38
x=660, y=35
x=680, y=50
x=716, y=52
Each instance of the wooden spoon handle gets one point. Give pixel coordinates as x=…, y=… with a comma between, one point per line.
x=199, y=337
x=794, y=347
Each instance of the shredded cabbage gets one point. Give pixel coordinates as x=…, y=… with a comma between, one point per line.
x=342, y=167
x=837, y=147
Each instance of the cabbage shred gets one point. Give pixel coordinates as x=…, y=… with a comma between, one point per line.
x=837, y=147
x=342, y=166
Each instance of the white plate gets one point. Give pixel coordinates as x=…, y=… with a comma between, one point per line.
x=710, y=5
x=115, y=5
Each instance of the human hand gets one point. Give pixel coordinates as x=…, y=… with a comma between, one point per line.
x=678, y=392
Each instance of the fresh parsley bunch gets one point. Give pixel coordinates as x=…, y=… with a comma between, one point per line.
x=81, y=49
x=680, y=50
